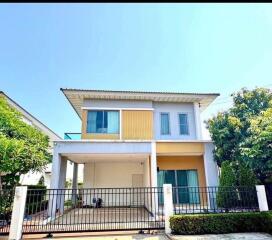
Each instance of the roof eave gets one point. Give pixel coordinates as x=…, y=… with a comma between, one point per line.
x=197, y=97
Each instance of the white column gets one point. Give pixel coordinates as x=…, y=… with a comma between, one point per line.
x=211, y=173
x=54, y=184
x=197, y=121
x=57, y=181
x=74, y=184
x=211, y=169
x=154, y=196
x=168, y=206
x=18, y=212
x=262, y=200
x=153, y=165
x=62, y=179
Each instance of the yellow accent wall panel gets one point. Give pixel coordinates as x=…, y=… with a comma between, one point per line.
x=173, y=148
x=85, y=135
x=83, y=124
x=186, y=163
x=137, y=125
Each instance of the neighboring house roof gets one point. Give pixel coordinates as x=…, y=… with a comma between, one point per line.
x=76, y=97
x=34, y=121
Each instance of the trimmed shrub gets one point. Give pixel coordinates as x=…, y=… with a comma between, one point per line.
x=221, y=223
x=227, y=196
x=245, y=176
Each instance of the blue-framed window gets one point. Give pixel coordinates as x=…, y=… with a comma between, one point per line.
x=165, y=124
x=103, y=121
x=183, y=124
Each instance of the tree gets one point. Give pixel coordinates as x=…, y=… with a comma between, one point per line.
x=246, y=181
x=258, y=146
x=22, y=146
x=245, y=176
x=234, y=132
x=226, y=195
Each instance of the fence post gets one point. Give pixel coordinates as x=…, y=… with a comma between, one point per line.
x=18, y=212
x=262, y=200
x=168, y=206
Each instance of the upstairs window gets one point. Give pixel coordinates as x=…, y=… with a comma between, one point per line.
x=103, y=122
x=165, y=126
x=183, y=124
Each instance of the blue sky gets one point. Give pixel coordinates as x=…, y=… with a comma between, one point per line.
x=151, y=47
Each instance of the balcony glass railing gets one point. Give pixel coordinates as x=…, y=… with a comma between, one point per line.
x=72, y=136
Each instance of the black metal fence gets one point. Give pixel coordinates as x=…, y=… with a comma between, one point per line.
x=6, y=202
x=108, y=209
x=193, y=200
x=96, y=209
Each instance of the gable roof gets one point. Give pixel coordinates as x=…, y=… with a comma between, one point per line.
x=37, y=123
x=76, y=97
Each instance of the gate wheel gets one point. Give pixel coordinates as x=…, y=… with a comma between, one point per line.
x=49, y=235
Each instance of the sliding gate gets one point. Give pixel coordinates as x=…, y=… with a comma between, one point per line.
x=95, y=209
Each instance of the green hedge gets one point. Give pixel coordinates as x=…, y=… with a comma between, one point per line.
x=221, y=223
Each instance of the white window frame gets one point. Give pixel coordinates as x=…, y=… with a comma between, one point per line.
x=168, y=123
x=188, y=125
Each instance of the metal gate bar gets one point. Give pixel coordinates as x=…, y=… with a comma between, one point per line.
x=93, y=209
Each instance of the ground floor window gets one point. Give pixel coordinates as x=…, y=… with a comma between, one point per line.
x=186, y=179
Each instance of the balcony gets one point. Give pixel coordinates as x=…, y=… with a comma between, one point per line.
x=72, y=136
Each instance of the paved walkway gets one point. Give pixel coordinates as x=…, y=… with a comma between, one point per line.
x=231, y=236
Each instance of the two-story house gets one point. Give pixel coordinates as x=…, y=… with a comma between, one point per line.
x=137, y=139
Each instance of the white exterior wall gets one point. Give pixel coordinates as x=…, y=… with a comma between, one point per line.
x=147, y=173
x=197, y=121
x=116, y=104
x=111, y=174
x=31, y=178
x=101, y=147
x=47, y=179
x=174, y=109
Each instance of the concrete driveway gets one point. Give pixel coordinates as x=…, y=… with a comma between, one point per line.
x=132, y=235
x=158, y=236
